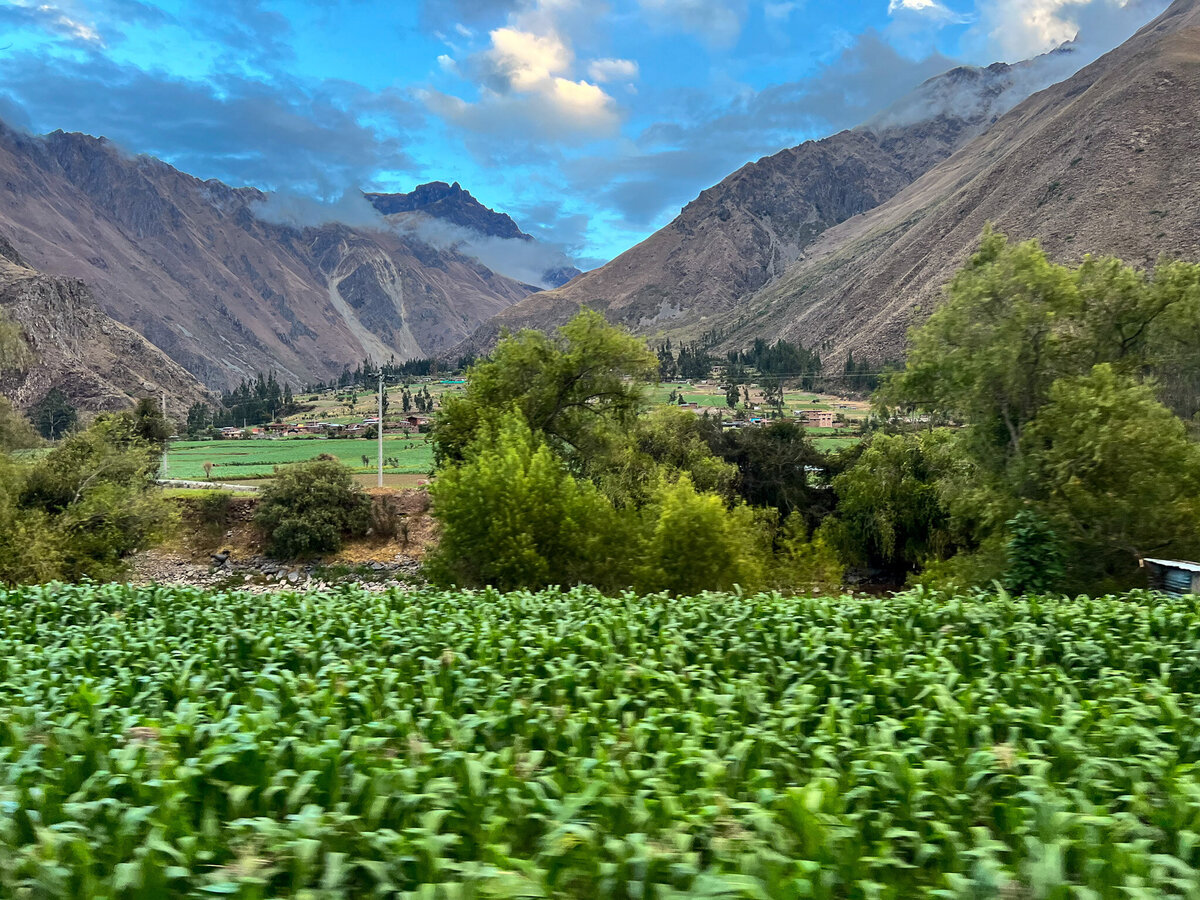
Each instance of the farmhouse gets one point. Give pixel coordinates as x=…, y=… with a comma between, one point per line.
x=816, y=418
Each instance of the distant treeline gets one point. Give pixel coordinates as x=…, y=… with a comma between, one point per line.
x=366, y=374
x=259, y=399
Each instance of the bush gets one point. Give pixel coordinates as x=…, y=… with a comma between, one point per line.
x=513, y=517
x=310, y=508
x=82, y=509
x=693, y=543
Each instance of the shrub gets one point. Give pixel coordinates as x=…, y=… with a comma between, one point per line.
x=82, y=509
x=310, y=508
x=693, y=543
x=511, y=516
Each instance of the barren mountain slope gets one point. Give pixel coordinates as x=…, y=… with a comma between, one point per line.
x=189, y=265
x=1107, y=162
x=737, y=236
x=98, y=363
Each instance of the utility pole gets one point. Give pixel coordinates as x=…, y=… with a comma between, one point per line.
x=379, y=430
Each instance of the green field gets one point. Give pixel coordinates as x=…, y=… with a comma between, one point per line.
x=248, y=459
x=162, y=742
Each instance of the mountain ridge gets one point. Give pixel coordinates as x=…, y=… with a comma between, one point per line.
x=196, y=268
x=98, y=363
x=1105, y=162
x=741, y=233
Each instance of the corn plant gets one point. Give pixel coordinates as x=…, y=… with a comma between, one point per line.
x=167, y=742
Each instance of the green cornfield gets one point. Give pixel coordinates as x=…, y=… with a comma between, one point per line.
x=160, y=742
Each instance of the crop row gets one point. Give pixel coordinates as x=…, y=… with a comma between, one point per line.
x=167, y=742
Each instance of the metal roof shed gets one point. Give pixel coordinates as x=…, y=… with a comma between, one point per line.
x=1173, y=576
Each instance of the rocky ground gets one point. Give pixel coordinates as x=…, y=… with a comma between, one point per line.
x=259, y=574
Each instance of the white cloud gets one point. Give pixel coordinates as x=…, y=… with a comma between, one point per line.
x=1018, y=29
x=716, y=22
x=527, y=83
x=603, y=70
x=929, y=10
x=448, y=64
x=53, y=18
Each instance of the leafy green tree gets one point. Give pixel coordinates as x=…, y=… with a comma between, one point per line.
x=310, y=508
x=773, y=465
x=512, y=516
x=1013, y=323
x=695, y=543
x=890, y=514
x=731, y=395
x=152, y=426
x=662, y=444
x=53, y=416
x=16, y=431
x=1034, y=555
x=576, y=391
x=94, y=499
x=1115, y=474
x=199, y=419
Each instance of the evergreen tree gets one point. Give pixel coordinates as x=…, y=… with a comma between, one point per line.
x=54, y=415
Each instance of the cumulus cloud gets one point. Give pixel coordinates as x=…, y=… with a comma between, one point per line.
x=527, y=85
x=604, y=70
x=1018, y=29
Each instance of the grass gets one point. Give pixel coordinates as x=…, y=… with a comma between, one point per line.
x=243, y=460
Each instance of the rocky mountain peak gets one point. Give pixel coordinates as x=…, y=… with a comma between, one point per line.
x=450, y=203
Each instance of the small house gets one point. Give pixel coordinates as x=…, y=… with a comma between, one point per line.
x=817, y=418
x=1173, y=576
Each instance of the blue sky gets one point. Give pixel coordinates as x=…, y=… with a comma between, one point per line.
x=591, y=122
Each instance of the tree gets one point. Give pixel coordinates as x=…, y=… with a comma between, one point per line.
x=1115, y=475
x=512, y=516
x=94, y=496
x=1052, y=369
x=694, y=543
x=772, y=465
x=890, y=514
x=1036, y=563
x=199, y=419
x=662, y=445
x=152, y=426
x=53, y=416
x=16, y=431
x=310, y=508
x=1013, y=323
x=573, y=390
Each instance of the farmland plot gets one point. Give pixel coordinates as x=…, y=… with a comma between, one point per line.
x=161, y=742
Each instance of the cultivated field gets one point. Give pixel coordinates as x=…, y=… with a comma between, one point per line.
x=159, y=742
x=240, y=460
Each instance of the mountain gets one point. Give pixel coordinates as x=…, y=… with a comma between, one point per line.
x=200, y=270
x=98, y=363
x=738, y=236
x=451, y=204
x=1105, y=162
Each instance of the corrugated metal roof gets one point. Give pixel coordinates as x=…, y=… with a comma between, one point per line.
x=1176, y=564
